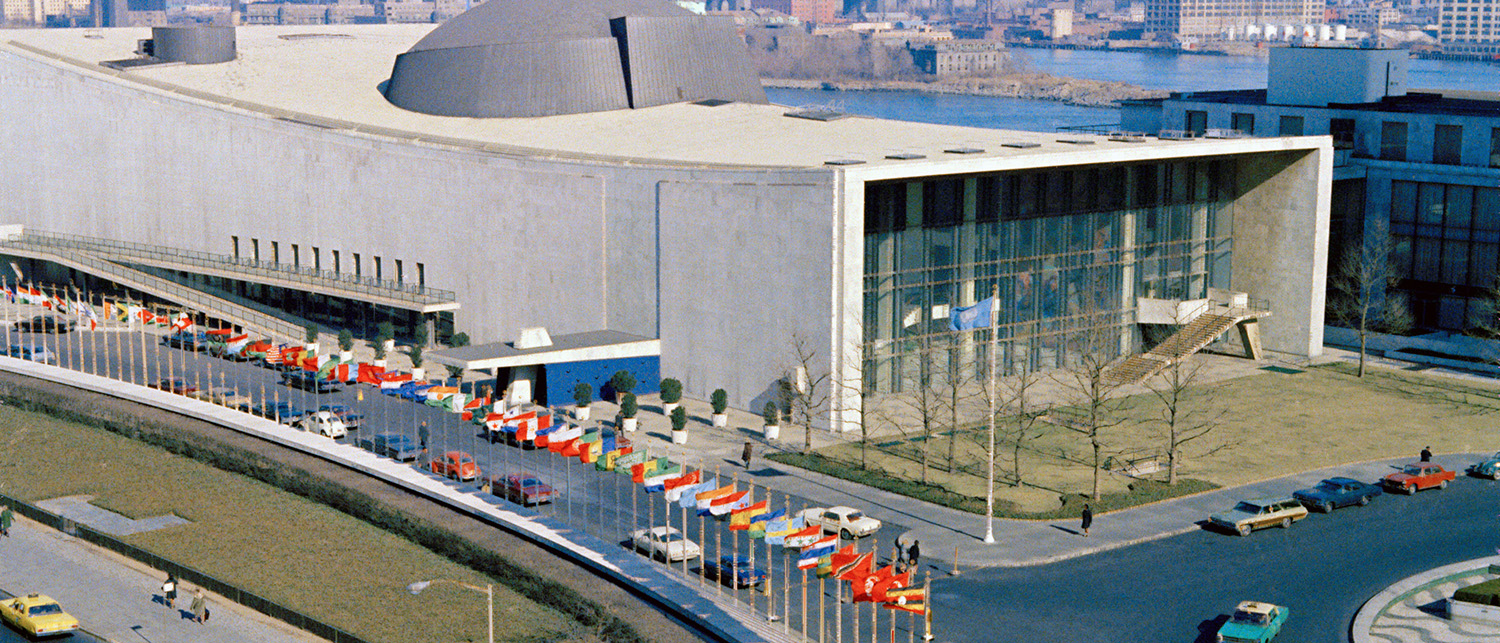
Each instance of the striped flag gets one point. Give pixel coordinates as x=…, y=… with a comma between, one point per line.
x=778, y=530
x=688, y=495
x=740, y=519
x=706, y=498
x=910, y=599
x=723, y=505
x=818, y=549
x=804, y=537
x=759, y=525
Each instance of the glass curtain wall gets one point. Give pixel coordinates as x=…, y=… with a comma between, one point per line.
x=1445, y=241
x=1066, y=251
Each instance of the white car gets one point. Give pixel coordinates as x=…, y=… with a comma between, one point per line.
x=323, y=423
x=664, y=543
x=847, y=522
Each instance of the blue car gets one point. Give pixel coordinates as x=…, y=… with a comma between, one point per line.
x=1333, y=493
x=734, y=571
x=392, y=445
x=285, y=412
x=309, y=381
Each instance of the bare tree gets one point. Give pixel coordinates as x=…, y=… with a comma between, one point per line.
x=1362, y=298
x=1088, y=389
x=957, y=394
x=1186, y=423
x=922, y=400
x=1024, y=426
x=810, y=394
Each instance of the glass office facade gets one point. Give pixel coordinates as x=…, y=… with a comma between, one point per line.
x=1067, y=252
x=1445, y=240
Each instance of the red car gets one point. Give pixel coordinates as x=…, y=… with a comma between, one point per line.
x=521, y=488
x=455, y=464
x=1417, y=476
x=180, y=387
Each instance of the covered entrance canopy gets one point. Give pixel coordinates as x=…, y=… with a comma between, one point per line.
x=537, y=367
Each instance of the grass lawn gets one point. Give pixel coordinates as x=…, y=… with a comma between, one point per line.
x=1273, y=424
x=293, y=551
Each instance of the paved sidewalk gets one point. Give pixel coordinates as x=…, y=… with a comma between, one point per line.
x=115, y=597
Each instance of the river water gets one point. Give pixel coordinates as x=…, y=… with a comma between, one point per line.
x=1154, y=70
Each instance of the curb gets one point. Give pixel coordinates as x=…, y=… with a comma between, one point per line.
x=1359, y=628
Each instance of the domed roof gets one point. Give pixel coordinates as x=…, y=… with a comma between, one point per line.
x=499, y=22
x=525, y=58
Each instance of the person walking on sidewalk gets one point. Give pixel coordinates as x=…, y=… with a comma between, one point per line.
x=914, y=553
x=7, y=517
x=169, y=589
x=747, y=453
x=1426, y=454
x=1088, y=519
x=198, y=608
x=422, y=436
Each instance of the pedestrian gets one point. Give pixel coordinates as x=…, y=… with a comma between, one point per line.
x=1427, y=454
x=6, y=518
x=1088, y=519
x=898, y=554
x=422, y=435
x=198, y=608
x=747, y=453
x=169, y=589
x=914, y=553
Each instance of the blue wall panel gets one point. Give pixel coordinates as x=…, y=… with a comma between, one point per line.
x=561, y=378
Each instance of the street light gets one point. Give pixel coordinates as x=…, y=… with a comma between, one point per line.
x=489, y=596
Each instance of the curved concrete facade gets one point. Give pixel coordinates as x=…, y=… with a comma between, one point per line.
x=511, y=80
x=193, y=45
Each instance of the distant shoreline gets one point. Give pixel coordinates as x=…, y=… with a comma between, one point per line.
x=1027, y=86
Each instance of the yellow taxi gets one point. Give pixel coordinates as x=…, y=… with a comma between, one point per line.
x=37, y=615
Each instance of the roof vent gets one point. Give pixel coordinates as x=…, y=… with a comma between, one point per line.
x=844, y=162
x=535, y=337
x=824, y=115
x=1174, y=135
x=1127, y=137
x=1021, y=145
x=1076, y=141
x=316, y=36
x=964, y=150
x=712, y=102
x=905, y=156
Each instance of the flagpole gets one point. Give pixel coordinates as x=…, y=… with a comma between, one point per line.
x=927, y=607
x=989, y=496
x=684, y=514
x=786, y=573
x=734, y=536
x=750, y=550
x=718, y=540
x=770, y=567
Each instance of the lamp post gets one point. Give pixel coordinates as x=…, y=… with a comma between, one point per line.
x=489, y=597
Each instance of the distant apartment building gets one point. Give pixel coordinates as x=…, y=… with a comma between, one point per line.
x=1417, y=170
x=815, y=11
x=36, y=12
x=1368, y=18
x=405, y=12
x=956, y=57
x=1199, y=18
x=1470, y=27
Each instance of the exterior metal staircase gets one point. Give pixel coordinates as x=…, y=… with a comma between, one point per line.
x=1189, y=338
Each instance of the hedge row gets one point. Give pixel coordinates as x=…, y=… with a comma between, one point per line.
x=565, y=600
x=1139, y=492
x=1486, y=593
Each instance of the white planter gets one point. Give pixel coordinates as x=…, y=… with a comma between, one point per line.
x=721, y=419
x=679, y=437
x=346, y=356
x=772, y=431
x=312, y=348
x=581, y=413
x=418, y=373
x=380, y=364
x=629, y=424
x=390, y=346
x=668, y=407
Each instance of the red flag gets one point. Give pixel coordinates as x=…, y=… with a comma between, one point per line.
x=858, y=568
x=683, y=480
x=843, y=556
x=864, y=588
x=899, y=581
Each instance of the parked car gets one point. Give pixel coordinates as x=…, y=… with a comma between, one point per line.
x=1249, y=515
x=524, y=489
x=1486, y=468
x=45, y=324
x=1253, y=622
x=323, y=423
x=734, y=571
x=392, y=445
x=32, y=353
x=221, y=351
x=178, y=386
x=351, y=419
x=847, y=522
x=284, y=412
x=1417, y=476
x=309, y=381
x=664, y=543
x=455, y=464
x=1333, y=493
x=196, y=342
x=224, y=396
x=38, y=616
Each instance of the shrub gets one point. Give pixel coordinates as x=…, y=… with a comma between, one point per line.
x=419, y=335
x=771, y=414
x=415, y=353
x=346, y=340
x=384, y=332
x=719, y=400
x=583, y=394
x=622, y=382
x=312, y=333
x=785, y=393
x=671, y=391
x=679, y=419
x=628, y=406
x=458, y=339
x=1486, y=593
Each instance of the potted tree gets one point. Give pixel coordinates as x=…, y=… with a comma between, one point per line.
x=628, y=409
x=772, y=416
x=456, y=341
x=679, y=425
x=380, y=347
x=312, y=339
x=385, y=337
x=415, y=353
x=671, y=395
x=720, y=402
x=623, y=383
x=346, y=346
x=583, y=394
